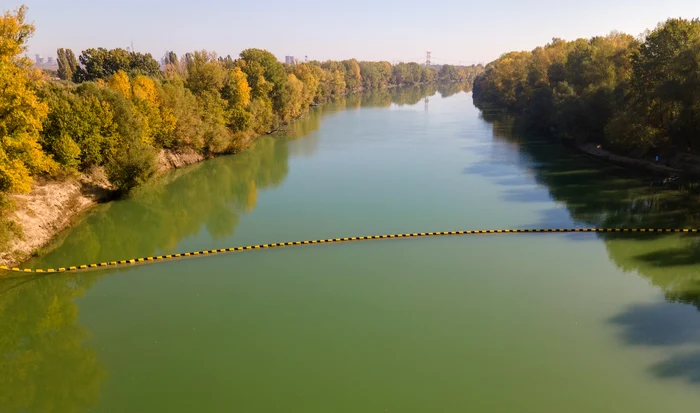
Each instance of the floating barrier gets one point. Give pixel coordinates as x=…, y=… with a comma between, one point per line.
x=161, y=258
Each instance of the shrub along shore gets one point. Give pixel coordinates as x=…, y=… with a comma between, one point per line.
x=117, y=110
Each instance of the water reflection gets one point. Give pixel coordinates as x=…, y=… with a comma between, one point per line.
x=598, y=194
x=178, y=206
x=310, y=123
x=411, y=95
x=602, y=195
x=45, y=363
x=448, y=89
x=212, y=195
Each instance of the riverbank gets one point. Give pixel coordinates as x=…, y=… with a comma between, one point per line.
x=598, y=152
x=52, y=206
x=669, y=163
x=683, y=164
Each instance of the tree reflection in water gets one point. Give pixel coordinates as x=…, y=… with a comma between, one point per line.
x=46, y=362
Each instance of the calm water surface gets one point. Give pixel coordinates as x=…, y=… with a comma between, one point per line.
x=502, y=323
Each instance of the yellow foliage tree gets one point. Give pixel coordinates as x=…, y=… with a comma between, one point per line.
x=120, y=82
x=236, y=89
x=145, y=96
x=252, y=198
x=21, y=112
x=304, y=73
x=295, y=90
x=144, y=89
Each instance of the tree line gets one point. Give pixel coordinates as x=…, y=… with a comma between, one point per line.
x=639, y=96
x=116, y=108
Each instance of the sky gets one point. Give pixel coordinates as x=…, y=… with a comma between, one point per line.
x=456, y=32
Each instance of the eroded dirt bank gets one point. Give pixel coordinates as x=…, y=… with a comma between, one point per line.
x=52, y=206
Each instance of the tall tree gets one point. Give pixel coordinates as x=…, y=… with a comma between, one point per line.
x=273, y=72
x=101, y=63
x=171, y=58
x=65, y=69
x=666, y=83
x=21, y=112
x=204, y=73
x=353, y=77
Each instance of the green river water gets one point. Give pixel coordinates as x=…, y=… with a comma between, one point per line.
x=495, y=323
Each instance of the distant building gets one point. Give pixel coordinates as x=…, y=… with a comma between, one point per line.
x=289, y=60
x=49, y=61
x=38, y=59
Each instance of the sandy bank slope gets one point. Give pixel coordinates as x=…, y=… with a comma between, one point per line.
x=52, y=206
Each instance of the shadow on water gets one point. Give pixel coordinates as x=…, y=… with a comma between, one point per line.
x=673, y=328
x=514, y=181
x=527, y=195
x=597, y=194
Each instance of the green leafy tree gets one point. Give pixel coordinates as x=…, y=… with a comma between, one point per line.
x=182, y=108
x=101, y=63
x=428, y=75
x=171, y=58
x=67, y=64
x=273, y=72
x=204, y=73
x=666, y=84
x=630, y=94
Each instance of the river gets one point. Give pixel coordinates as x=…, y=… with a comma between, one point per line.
x=495, y=323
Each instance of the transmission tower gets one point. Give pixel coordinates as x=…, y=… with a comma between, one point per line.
x=427, y=59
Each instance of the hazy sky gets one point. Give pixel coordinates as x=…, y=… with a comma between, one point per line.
x=461, y=30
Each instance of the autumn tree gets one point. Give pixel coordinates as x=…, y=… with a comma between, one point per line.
x=21, y=112
x=125, y=109
x=146, y=99
x=353, y=77
x=309, y=80
x=295, y=99
x=120, y=82
x=236, y=92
